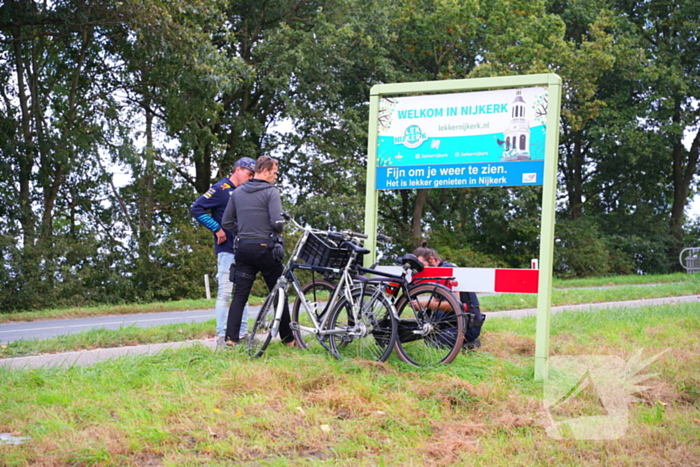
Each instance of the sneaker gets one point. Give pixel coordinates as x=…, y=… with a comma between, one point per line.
x=220, y=342
x=243, y=336
x=471, y=345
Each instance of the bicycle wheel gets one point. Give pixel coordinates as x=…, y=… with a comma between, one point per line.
x=373, y=336
x=431, y=325
x=260, y=336
x=317, y=294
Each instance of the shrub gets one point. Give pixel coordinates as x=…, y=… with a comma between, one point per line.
x=579, y=249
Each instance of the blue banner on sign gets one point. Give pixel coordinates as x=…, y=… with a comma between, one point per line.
x=461, y=175
x=460, y=149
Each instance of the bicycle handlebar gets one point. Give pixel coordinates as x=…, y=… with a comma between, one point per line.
x=350, y=233
x=345, y=234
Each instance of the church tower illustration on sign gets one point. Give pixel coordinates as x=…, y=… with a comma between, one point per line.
x=516, y=146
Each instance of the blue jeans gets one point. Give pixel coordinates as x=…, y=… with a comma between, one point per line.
x=225, y=260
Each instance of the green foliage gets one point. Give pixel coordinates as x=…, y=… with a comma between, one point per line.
x=579, y=250
x=484, y=227
x=692, y=233
x=643, y=254
x=173, y=93
x=583, y=249
x=469, y=259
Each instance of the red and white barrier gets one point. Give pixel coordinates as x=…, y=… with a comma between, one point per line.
x=481, y=279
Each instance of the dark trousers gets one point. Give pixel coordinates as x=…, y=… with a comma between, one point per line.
x=252, y=258
x=474, y=328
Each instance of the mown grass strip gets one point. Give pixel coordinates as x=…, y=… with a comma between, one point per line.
x=109, y=338
x=106, y=310
x=177, y=332
x=196, y=406
x=626, y=280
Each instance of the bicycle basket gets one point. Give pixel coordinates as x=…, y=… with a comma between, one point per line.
x=323, y=252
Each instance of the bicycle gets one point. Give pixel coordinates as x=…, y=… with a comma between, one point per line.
x=431, y=318
x=316, y=293
x=360, y=321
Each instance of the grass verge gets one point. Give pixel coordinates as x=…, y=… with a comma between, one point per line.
x=676, y=285
x=667, y=285
x=578, y=295
x=199, y=407
x=109, y=338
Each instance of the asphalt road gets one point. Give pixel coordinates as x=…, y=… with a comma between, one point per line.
x=10, y=332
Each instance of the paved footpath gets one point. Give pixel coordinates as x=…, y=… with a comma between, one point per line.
x=598, y=306
x=89, y=357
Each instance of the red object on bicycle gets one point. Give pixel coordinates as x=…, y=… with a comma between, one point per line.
x=443, y=276
x=392, y=288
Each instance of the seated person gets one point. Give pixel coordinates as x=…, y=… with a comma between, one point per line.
x=430, y=258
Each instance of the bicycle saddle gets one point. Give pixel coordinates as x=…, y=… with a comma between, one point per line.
x=412, y=261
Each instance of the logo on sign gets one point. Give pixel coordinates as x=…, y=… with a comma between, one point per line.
x=412, y=137
x=530, y=178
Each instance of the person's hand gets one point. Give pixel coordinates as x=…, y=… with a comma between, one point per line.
x=220, y=236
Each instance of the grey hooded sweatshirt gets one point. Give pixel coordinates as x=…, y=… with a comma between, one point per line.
x=254, y=210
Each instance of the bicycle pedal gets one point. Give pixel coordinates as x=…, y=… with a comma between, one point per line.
x=293, y=325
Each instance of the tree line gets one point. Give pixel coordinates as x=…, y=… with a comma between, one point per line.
x=173, y=92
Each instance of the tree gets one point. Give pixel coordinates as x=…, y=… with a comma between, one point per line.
x=62, y=73
x=437, y=39
x=170, y=77
x=310, y=64
x=669, y=30
x=52, y=106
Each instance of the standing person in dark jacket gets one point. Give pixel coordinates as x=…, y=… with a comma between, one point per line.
x=255, y=212
x=208, y=210
x=430, y=258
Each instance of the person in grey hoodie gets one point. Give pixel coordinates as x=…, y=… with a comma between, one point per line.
x=254, y=212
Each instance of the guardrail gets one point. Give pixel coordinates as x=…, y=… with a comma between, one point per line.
x=690, y=259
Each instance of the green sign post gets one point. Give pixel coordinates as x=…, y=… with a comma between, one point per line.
x=470, y=133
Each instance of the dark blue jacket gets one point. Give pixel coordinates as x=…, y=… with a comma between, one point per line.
x=209, y=210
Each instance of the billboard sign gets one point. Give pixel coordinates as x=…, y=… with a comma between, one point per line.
x=466, y=139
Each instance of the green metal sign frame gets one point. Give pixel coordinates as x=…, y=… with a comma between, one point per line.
x=549, y=185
